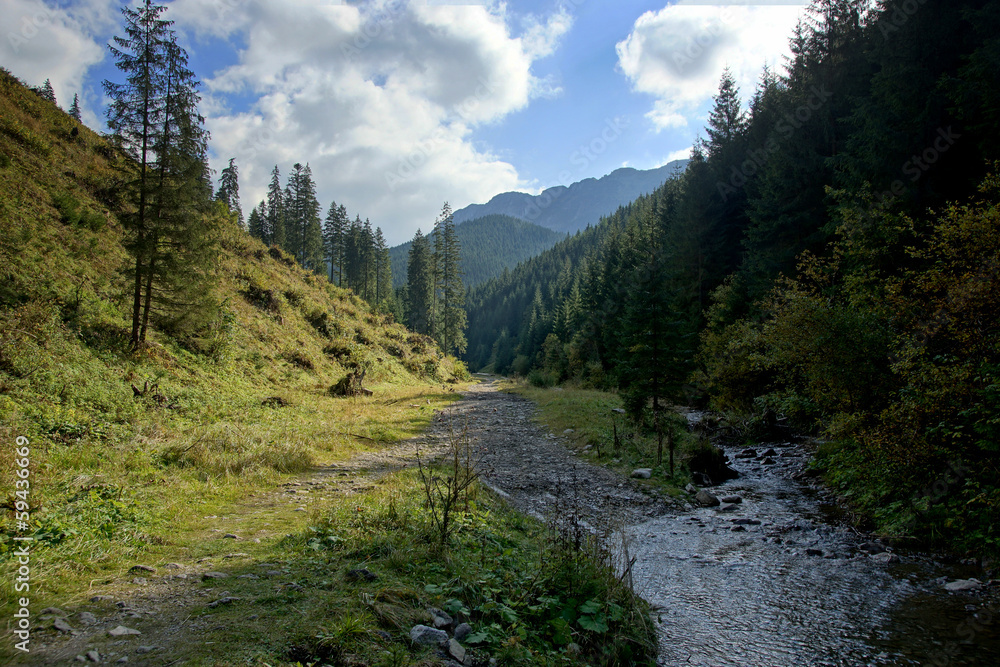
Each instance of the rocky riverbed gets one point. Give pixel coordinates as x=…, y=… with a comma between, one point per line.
x=758, y=574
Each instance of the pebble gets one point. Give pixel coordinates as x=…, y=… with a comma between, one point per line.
x=963, y=585
x=221, y=601
x=213, y=575
x=142, y=568
x=61, y=625
x=642, y=473
x=425, y=636
x=93, y=656
x=55, y=611
x=229, y=536
x=101, y=598
x=86, y=618
x=122, y=631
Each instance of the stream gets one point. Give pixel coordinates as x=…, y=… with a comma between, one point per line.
x=773, y=581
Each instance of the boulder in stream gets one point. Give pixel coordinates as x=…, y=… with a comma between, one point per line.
x=706, y=499
x=963, y=585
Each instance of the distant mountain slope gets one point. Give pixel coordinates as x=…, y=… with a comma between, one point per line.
x=489, y=245
x=570, y=209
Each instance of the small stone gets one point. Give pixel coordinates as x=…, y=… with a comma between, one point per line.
x=221, y=601
x=568, y=431
x=885, y=558
x=299, y=509
x=93, y=656
x=248, y=576
x=439, y=618
x=768, y=461
x=122, y=660
x=238, y=554
x=462, y=631
x=142, y=650
x=61, y=625
x=691, y=488
x=573, y=649
x=747, y=522
x=122, y=631
x=139, y=581
x=213, y=575
x=814, y=552
x=101, y=598
x=738, y=529
x=229, y=536
x=173, y=566
x=963, y=585
x=706, y=499
x=729, y=508
x=425, y=636
x=81, y=658
x=735, y=500
x=55, y=611
x=273, y=573
x=642, y=473
x=769, y=452
x=142, y=568
x=871, y=548
x=86, y=618
x=456, y=650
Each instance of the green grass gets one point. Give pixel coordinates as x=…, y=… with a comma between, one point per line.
x=590, y=414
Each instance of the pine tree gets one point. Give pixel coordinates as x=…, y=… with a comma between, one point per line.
x=154, y=118
x=276, y=211
x=452, y=293
x=47, y=92
x=74, y=110
x=257, y=222
x=334, y=229
x=383, y=268
x=420, y=284
x=229, y=190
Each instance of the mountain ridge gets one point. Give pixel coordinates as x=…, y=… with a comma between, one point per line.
x=571, y=208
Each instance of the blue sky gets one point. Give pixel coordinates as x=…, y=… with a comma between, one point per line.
x=399, y=105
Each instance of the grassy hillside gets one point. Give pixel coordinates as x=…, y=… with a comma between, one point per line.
x=489, y=245
x=225, y=451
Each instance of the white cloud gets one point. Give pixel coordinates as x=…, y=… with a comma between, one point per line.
x=379, y=97
x=678, y=53
x=44, y=41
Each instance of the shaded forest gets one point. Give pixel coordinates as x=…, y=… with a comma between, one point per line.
x=827, y=262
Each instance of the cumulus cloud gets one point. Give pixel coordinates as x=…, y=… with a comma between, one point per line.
x=380, y=97
x=677, y=54
x=42, y=40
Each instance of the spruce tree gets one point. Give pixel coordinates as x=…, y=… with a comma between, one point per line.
x=47, y=92
x=154, y=118
x=276, y=211
x=257, y=222
x=334, y=230
x=452, y=293
x=420, y=284
x=229, y=190
x=74, y=110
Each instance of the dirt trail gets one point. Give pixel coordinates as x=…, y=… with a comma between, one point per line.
x=533, y=469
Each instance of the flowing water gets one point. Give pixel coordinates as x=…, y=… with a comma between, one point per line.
x=773, y=581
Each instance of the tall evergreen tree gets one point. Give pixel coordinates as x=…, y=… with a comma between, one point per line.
x=229, y=190
x=420, y=284
x=257, y=222
x=334, y=231
x=154, y=117
x=74, y=109
x=452, y=292
x=276, y=211
x=48, y=92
